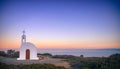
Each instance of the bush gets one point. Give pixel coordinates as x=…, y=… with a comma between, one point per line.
x=111, y=62
x=31, y=66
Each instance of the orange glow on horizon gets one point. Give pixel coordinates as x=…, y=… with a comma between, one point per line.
x=14, y=43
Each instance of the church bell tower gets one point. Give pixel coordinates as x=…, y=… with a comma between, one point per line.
x=23, y=40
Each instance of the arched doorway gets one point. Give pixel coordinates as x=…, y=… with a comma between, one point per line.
x=27, y=54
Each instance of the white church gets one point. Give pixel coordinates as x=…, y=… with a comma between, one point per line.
x=28, y=51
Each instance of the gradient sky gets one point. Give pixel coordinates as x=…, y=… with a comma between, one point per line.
x=61, y=24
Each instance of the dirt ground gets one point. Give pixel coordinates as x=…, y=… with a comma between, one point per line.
x=57, y=62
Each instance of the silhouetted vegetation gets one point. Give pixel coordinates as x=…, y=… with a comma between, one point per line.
x=111, y=62
x=45, y=54
x=32, y=66
x=2, y=53
x=10, y=53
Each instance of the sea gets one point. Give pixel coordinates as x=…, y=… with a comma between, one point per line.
x=77, y=52
x=84, y=52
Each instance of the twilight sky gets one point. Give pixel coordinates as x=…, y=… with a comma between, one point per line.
x=61, y=23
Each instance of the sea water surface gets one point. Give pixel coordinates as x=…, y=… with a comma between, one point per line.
x=78, y=52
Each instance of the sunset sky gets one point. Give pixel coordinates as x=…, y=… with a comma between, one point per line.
x=60, y=23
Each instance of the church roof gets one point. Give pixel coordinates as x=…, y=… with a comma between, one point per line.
x=28, y=45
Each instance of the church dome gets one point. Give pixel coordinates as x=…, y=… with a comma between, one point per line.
x=28, y=45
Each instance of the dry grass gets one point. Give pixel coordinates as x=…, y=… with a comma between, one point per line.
x=64, y=64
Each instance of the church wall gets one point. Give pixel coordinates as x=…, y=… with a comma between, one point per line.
x=33, y=51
